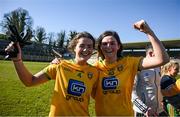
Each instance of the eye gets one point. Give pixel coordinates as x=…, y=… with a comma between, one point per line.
x=90, y=46
x=104, y=43
x=112, y=43
x=81, y=45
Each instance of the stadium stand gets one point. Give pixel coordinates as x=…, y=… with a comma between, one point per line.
x=43, y=52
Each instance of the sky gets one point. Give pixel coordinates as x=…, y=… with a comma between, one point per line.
x=97, y=16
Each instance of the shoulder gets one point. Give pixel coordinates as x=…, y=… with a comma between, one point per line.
x=166, y=78
x=166, y=81
x=131, y=60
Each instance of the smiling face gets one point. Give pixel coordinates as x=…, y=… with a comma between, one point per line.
x=109, y=48
x=83, y=50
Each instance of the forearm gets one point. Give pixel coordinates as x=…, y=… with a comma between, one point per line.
x=24, y=75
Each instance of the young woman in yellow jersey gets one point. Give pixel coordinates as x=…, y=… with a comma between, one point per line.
x=74, y=79
x=117, y=73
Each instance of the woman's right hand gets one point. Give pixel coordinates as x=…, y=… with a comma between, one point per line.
x=11, y=47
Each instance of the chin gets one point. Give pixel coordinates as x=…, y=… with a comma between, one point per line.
x=84, y=59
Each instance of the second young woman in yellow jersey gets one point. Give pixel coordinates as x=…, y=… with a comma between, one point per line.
x=113, y=94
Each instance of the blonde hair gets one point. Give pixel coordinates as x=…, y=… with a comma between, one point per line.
x=165, y=68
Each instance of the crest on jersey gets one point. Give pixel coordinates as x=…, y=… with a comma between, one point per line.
x=120, y=68
x=90, y=75
x=111, y=72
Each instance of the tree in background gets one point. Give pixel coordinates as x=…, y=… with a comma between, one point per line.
x=70, y=37
x=72, y=34
x=61, y=38
x=43, y=43
x=20, y=18
x=3, y=37
x=50, y=39
x=40, y=35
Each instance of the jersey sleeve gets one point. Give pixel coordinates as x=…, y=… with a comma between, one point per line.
x=50, y=71
x=134, y=64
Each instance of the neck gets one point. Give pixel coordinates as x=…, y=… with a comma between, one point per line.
x=80, y=62
x=110, y=60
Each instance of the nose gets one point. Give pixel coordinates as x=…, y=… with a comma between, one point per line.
x=108, y=44
x=85, y=49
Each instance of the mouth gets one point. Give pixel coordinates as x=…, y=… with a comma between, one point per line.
x=108, y=51
x=85, y=54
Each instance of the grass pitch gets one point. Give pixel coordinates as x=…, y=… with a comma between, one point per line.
x=18, y=100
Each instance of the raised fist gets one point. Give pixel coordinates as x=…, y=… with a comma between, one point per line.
x=142, y=26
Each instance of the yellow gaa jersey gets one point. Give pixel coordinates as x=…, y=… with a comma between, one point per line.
x=73, y=88
x=113, y=94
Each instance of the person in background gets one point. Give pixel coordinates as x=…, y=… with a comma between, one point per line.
x=170, y=88
x=74, y=79
x=117, y=72
x=146, y=96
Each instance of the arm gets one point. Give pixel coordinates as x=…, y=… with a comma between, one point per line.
x=161, y=57
x=24, y=75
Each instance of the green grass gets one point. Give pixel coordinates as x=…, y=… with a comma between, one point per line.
x=18, y=100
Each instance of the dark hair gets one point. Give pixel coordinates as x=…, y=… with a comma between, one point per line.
x=79, y=35
x=116, y=36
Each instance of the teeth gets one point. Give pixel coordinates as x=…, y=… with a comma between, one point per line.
x=84, y=53
x=108, y=51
